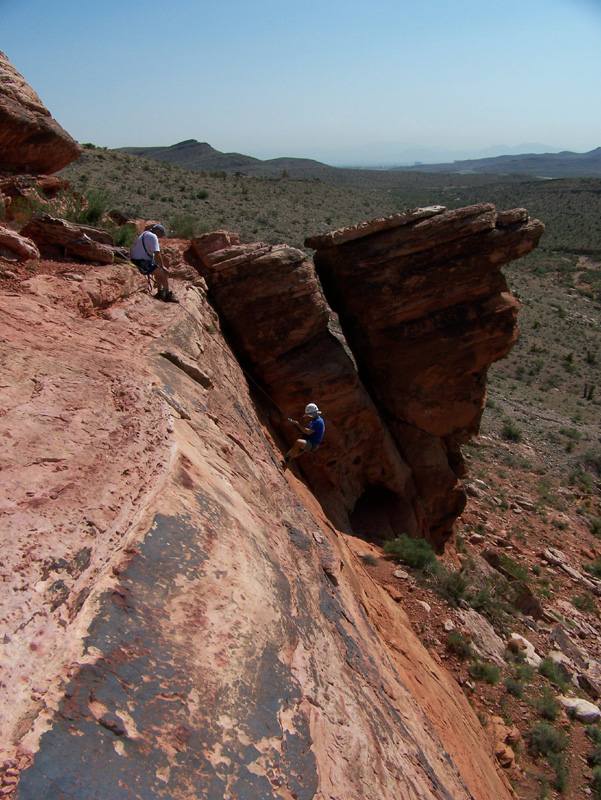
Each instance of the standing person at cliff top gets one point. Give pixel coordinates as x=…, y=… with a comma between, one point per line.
x=312, y=435
x=146, y=255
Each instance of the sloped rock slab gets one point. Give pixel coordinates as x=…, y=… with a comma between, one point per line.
x=153, y=710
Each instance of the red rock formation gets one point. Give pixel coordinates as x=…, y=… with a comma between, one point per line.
x=177, y=615
x=272, y=303
x=425, y=311
x=30, y=140
x=57, y=236
x=14, y=247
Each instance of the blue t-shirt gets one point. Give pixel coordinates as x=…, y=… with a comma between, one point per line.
x=318, y=427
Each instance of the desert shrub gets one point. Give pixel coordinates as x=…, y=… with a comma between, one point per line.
x=481, y=599
x=370, y=560
x=515, y=569
x=511, y=432
x=546, y=741
x=516, y=688
x=549, y=669
x=481, y=671
x=594, y=734
x=560, y=781
x=202, y=194
x=524, y=672
x=416, y=553
x=97, y=205
x=585, y=602
x=582, y=479
x=124, y=236
x=594, y=568
x=183, y=226
x=546, y=705
x=593, y=460
x=459, y=645
x=596, y=783
x=451, y=584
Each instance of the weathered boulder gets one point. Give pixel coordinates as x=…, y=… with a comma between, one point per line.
x=30, y=139
x=426, y=311
x=485, y=641
x=73, y=239
x=584, y=711
x=15, y=247
x=518, y=644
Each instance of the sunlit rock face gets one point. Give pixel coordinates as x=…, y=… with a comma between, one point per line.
x=426, y=311
x=30, y=139
x=180, y=617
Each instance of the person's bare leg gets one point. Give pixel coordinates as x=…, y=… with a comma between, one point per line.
x=297, y=449
x=161, y=278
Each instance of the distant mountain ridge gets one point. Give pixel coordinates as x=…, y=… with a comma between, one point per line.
x=544, y=165
x=201, y=156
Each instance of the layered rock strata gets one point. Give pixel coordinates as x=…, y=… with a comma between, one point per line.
x=59, y=237
x=279, y=322
x=426, y=311
x=30, y=139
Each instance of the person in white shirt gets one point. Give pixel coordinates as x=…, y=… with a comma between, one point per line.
x=146, y=255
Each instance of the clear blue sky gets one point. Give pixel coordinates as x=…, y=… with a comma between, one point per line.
x=358, y=81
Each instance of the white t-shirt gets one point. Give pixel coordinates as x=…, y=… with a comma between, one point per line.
x=150, y=241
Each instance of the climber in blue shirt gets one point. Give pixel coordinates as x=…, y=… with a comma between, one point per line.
x=312, y=435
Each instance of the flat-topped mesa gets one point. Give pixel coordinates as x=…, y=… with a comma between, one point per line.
x=426, y=311
x=30, y=139
x=272, y=303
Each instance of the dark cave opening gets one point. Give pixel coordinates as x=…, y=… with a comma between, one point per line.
x=377, y=515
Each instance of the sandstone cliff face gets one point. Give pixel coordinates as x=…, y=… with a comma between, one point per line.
x=426, y=312
x=182, y=620
x=279, y=320
x=30, y=140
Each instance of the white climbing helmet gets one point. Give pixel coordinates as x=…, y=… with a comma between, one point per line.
x=311, y=410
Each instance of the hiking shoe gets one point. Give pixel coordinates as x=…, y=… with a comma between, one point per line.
x=160, y=295
x=169, y=297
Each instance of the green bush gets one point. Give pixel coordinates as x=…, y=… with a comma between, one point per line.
x=549, y=669
x=594, y=758
x=124, y=236
x=516, y=688
x=594, y=568
x=585, y=602
x=416, y=553
x=370, y=560
x=183, y=226
x=524, y=672
x=96, y=206
x=546, y=741
x=511, y=432
x=451, y=584
x=547, y=706
x=596, y=783
x=481, y=671
x=458, y=645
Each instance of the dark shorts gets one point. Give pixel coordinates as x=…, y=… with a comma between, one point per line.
x=144, y=266
x=311, y=446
